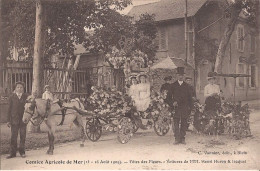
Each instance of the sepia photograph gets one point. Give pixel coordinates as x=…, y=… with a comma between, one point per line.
x=129, y=84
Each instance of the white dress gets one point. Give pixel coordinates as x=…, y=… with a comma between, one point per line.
x=142, y=101
x=133, y=92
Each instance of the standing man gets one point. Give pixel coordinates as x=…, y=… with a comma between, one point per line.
x=15, y=114
x=182, y=103
x=188, y=80
x=166, y=88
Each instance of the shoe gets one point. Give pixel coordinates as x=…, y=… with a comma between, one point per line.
x=183, y=141
x=10, y=156
x=23, y=155
x=176, y=142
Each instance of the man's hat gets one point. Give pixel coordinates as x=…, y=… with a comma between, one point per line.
x=180, y=70
x=168, y=78
x=21, y=83
x=211, y=75
x=188, y=78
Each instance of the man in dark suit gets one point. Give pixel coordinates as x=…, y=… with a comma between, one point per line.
x=15, y=114
x=166, y=88
x=182, y=103
x=188, y=80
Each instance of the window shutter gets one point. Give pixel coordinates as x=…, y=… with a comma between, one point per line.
x=163, y=39
x=237, y=37
x=245, y=83
x=237, y=78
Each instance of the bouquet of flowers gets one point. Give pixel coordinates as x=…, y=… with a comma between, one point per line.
x=238, y=117
x=231, y=117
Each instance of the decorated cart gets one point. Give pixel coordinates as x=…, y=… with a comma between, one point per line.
x=230, y=117
x=113, y=111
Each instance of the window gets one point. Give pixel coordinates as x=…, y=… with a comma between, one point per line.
x=162, y=40
x=253, y=79
x=252, y=43
x=241, y=81
x=240, y=38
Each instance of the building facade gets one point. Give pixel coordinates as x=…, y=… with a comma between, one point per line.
x=206, y=23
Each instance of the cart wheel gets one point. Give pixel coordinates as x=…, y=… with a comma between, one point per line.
x=93, y=129
x=125, y=130
x=136, y=127
x=162, y=126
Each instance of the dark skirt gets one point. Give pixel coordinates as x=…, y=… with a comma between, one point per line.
x=212, y=103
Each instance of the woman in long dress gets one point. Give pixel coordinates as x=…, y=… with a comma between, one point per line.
x=133, y=88
x=212, y=93
x=142, y=100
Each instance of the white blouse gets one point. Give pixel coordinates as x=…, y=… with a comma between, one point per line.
x=47, y=95
x=210, y=89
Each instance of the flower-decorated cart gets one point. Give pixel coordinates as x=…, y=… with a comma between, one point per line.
x=231, y=118
x=114, y=111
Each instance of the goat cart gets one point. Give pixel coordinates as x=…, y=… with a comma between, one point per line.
x=114, y=111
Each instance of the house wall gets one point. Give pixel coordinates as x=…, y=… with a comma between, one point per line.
x=176, y=48
x=231, y=58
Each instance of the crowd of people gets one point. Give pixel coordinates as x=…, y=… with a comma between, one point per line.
x=178, y=96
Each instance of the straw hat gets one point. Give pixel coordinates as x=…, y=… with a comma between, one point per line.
x=46, y=86
x=142, y=74
x=212, y=75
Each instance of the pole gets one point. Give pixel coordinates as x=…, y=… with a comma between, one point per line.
x=185, y=34
x=1, y=53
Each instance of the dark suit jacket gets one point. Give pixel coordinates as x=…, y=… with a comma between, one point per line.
x=182, y=95
x=16, y=108
x=192, y=90
x=167, y=87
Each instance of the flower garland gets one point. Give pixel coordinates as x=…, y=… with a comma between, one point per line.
x=110, y=105
x=232, y=119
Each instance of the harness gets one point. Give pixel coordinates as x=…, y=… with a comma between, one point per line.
x=42, y=118
x=38, y=116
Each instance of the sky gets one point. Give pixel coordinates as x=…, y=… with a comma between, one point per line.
x=135, y=3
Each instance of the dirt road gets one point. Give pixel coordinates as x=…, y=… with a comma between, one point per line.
x=148, y=151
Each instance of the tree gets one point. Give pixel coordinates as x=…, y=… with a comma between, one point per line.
x=141, y=34
x=59, y=25
x=66, y=22
x=124, y=42
x=249, y=8
x=1, y=55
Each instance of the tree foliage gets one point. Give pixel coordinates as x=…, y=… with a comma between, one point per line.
x=140, y=35
x=65, y=22
x=249, y=9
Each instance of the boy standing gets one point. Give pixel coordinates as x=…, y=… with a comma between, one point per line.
x=17, y=101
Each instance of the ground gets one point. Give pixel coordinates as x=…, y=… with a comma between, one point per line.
x=148, y=151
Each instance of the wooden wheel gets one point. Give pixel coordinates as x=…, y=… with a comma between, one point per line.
x=162, y=126
x=93, y=129
x=135, y=126
x=125, y=130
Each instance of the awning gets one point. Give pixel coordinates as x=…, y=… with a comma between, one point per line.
x=165, y=64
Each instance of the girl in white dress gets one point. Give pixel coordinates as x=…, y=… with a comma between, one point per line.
x=133, y=88
x=142, y=101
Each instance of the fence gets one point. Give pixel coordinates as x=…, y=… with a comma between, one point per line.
x=63, y=82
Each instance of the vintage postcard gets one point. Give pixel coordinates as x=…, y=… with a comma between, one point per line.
x=129, y=84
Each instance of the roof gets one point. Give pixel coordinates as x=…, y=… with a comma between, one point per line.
x=167, y=63
x=167, y=9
